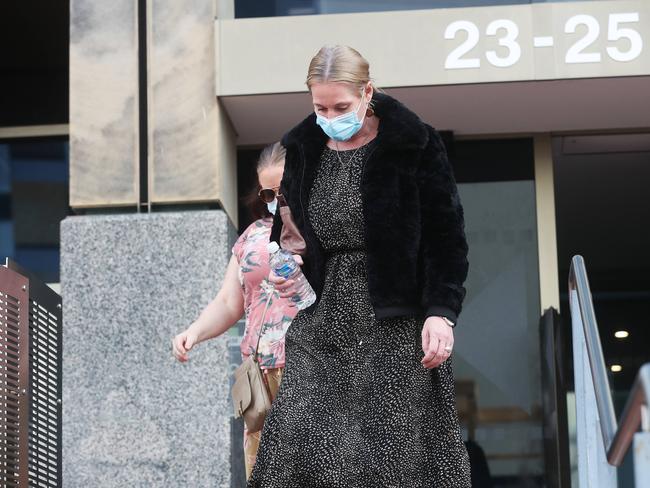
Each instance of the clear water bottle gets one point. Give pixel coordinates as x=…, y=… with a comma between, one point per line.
x=283, y=264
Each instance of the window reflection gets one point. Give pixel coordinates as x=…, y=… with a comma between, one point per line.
x=276, y=8
x=33, y=201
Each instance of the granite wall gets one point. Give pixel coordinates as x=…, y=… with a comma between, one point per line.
x=132, y=415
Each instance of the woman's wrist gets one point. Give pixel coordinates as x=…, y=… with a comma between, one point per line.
x=196, y=329
x=441, y=311
x=449, y=322
x=446, y=320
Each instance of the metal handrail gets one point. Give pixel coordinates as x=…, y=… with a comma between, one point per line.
x=632, y=418
x=616, y=438
x=579, y=283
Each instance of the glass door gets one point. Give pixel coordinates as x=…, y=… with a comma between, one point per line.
x=497, y=358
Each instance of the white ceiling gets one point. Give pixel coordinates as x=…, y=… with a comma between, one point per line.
x=488, y=108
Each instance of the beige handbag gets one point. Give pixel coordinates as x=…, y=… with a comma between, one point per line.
x=250, y=397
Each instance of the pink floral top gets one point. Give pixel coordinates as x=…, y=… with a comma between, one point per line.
x=253, y=258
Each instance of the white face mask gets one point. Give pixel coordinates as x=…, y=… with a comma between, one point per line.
x=272, y=206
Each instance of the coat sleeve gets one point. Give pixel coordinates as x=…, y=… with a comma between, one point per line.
x=443, y=247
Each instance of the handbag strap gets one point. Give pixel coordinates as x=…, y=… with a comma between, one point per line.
x=262, y=325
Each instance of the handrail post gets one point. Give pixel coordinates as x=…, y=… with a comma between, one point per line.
x=642, y=459
x=593, y=469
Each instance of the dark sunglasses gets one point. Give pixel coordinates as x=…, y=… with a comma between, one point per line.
x=267, y=195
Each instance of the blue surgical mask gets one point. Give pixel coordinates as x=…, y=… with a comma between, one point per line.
x=343, y=127
x=272, y=206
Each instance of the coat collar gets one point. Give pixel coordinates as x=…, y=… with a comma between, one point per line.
x=398, y=127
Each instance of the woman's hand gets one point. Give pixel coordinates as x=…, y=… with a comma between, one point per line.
x=282, y=285
x=183, y=343
x=437, y=342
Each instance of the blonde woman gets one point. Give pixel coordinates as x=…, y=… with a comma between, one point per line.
x=367, y=399
x=245, y=291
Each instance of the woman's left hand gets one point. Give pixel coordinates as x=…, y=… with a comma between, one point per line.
x=437, y=342
x=282, y=285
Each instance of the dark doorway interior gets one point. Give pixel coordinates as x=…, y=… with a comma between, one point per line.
x=34, y=42
x=602, y=185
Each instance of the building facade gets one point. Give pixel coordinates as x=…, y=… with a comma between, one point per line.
x=545, y=109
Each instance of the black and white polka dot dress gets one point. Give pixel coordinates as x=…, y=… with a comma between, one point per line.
x=356, y=409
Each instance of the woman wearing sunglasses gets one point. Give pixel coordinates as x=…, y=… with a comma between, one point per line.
x=245, y=291
x=367, y=399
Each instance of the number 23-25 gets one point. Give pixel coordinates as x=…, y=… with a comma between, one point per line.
x=575, y=54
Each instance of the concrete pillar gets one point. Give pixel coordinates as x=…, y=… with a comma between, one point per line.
x=133, y=415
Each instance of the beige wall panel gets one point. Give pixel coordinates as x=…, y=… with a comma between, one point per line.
x=442, y=46
x=227, y=164
x=103, y=103
x=192, y=152
x=226, y=149
x=225, y=9
x=34, y=131
x=546, y=233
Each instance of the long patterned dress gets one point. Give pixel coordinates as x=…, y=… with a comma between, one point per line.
x=356, y=408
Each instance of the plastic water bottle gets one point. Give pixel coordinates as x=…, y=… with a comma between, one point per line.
x=283, y=264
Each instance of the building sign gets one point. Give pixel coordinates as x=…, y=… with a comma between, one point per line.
x=546, y=41
x=578, y=52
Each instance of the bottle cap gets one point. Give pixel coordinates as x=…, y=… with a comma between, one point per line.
x=272, y=247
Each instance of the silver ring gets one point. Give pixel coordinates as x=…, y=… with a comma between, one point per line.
x=448, y=348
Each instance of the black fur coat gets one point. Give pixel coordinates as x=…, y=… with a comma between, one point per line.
x=414, y=228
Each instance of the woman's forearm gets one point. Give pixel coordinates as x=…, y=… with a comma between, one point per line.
x=224, y=310
x=215, y=319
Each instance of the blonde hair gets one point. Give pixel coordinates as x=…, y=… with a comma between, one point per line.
x=341, y=64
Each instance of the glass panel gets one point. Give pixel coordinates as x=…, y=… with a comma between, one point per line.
x=255, y=8
x=497, y=359
x=33, y=201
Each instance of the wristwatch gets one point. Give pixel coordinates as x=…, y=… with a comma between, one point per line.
x=448, y=322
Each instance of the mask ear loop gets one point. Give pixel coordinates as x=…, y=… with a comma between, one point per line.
x=369, y=110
